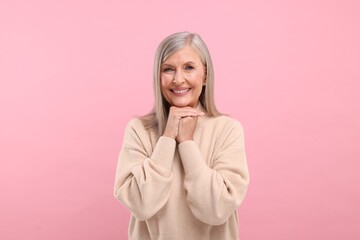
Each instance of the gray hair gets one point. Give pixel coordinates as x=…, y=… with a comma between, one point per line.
x=169, y=46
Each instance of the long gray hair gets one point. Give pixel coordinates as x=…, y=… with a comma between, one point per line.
x=158, y=116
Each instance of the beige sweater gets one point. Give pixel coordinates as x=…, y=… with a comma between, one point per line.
x=182, y=191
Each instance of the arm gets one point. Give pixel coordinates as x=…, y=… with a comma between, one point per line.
x=143, y=181
x=214, y=193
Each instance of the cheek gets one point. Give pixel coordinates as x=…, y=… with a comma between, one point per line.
x=162, y=82
x=198, y=79
x=165, y=81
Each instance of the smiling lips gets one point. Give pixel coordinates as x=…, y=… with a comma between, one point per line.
x=180, y=92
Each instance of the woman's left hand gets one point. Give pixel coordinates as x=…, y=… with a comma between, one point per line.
x=186, y=129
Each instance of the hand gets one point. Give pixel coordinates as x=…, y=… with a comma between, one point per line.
x=175, y=115
x=186, y=129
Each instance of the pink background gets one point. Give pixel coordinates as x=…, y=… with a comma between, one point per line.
x=74, y=72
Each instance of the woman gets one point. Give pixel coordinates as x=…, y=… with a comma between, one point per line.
x=182, y=170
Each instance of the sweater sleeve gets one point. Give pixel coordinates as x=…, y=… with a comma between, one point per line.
x=143, y=181
x=215, y=192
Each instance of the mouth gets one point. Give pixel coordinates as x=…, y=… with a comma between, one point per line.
x=180, y=92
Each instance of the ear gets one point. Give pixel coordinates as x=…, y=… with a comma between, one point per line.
x=204, y=81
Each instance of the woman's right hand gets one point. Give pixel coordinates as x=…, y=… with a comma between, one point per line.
x=175, y=114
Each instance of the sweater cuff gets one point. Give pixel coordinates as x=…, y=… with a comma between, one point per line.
x=191, y=158
x=163, y=154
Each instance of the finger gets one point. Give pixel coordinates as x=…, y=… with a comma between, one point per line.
x=188, y=118
x=189, y=110
x=190, y=113
x=185, y=112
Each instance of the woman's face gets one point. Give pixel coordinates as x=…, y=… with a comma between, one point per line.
x=182, y=78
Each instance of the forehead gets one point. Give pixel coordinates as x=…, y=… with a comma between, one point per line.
x=186, y=54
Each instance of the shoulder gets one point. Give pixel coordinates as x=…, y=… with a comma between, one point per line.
x=135, y=123
x=224, y=132
x=221, y=127
x=136, y=126
x=142, y=124
x=136, y=134
x=226, y=122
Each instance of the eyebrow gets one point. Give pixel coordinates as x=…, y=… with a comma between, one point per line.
x=168, y=64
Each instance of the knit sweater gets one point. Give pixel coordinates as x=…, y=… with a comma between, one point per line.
x=181, y=191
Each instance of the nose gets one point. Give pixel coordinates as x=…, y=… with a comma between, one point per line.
x=178, y=78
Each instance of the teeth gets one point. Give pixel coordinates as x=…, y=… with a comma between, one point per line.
x=181, y=91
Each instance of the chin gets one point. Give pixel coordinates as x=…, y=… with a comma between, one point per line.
x=183, y=105
x=180, y=105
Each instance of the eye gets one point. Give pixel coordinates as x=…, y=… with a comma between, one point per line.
x=189, y=67
x=167, y=69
